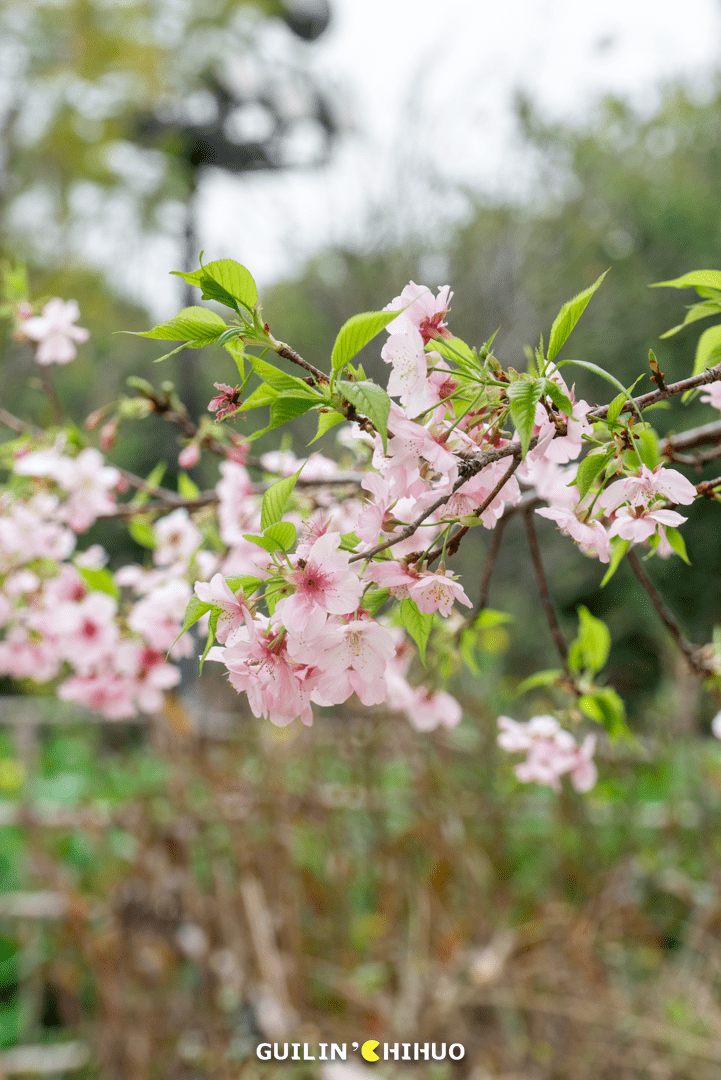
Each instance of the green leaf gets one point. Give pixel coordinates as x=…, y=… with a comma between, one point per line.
x=604, y=375
x=678, y=544
x=212, y=627
x=225, y=281
x=262, y=395
x=349, y=541
x=540, y=678
x=267, y=543
x=153, y=479
x=589, y=652
x=647, y=446
x=616, y=408
x=196, y=326
x=243, y=581
x=708, y=350
x=606, y=708
x=560, y=400
x=374, y=600
x=697, y=311
x=355, y=334
x=417, y=624
x=283, y=533
x=372, y=401
x=696, y=279
x=619, y=548
x=327, y=419
x=488, y=618
x=284, y=408
x=568, y=316
x=100, y=580
x=194, y=610
x=470, y=521
x=524, y=395
x=187, y=487
x=142, y=533
x=276, y=500
x=282, y=382
x=589, y=469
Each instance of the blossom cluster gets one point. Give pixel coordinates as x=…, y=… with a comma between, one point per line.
x=310, y=589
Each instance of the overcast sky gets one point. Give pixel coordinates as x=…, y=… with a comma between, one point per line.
x=429, y=87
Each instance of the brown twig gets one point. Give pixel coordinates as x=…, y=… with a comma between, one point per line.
x=295, y=358
x=707, y=434
x=543, y=590
x=693, y=653
x=489, y=566
x=454, y=543
x=656, y=373
x=645, y=400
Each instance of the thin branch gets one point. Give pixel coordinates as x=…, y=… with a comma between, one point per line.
x=458, y=535
x=699, y=436
x=490, y=565
x=543, y=590
x=295, y=358
x=645, y=400
x=693, y=653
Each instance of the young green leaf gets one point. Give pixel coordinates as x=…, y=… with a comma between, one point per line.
x=524, y=395
x=243, y=581
x=619, y=548
x=589, y=652
x=99, y=580
x=282, y=382
x=262, y=395
x=196, y=326
x=560, y=400
x=606, y=708
x=568, y=316
x=678, y=544
x=696, y=279
x=284, y=408
x=539, y=678
x=702, y=310
x=417, y=624
x=372, y=401
x=187, y=487
x=591, y=467
x=283, y=533
x=355, y=334
x=142, y=533
x=616, y=408
x=225, y=281
x=194, y=610
x=212, y=627
x=708, y=350
x=276, y=500
x=327, y=419
x=374, y=600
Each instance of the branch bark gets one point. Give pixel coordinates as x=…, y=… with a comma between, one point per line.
x=558, y=639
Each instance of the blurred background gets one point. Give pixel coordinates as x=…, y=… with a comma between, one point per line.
x=175, y=891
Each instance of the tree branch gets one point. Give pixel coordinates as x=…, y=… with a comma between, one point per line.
x=693, y=653
x=645, y=400
x=543, y=590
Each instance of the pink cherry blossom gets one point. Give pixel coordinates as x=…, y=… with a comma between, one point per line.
x=351, y=655
x=158, y=617
x=647, y=487
x=105, y=693
x=260, y=667
x=325, y=584
x=590, y=535
x=177, y=538
x=639, y=525
x=225, y=402
x=234, y=613
x=407, y=381
x=55, y=332
x=437, y=592
x=428, y=710
x=424, y=311
x=552, y=752
x=713, y=395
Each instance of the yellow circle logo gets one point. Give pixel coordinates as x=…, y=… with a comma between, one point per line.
x=368, y=1050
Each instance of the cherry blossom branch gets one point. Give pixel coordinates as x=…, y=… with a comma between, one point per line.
x=558, y=639
x=645, y=400
x=699, y=436
x=295, y=358
x=489, y=566
x=693, y=653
